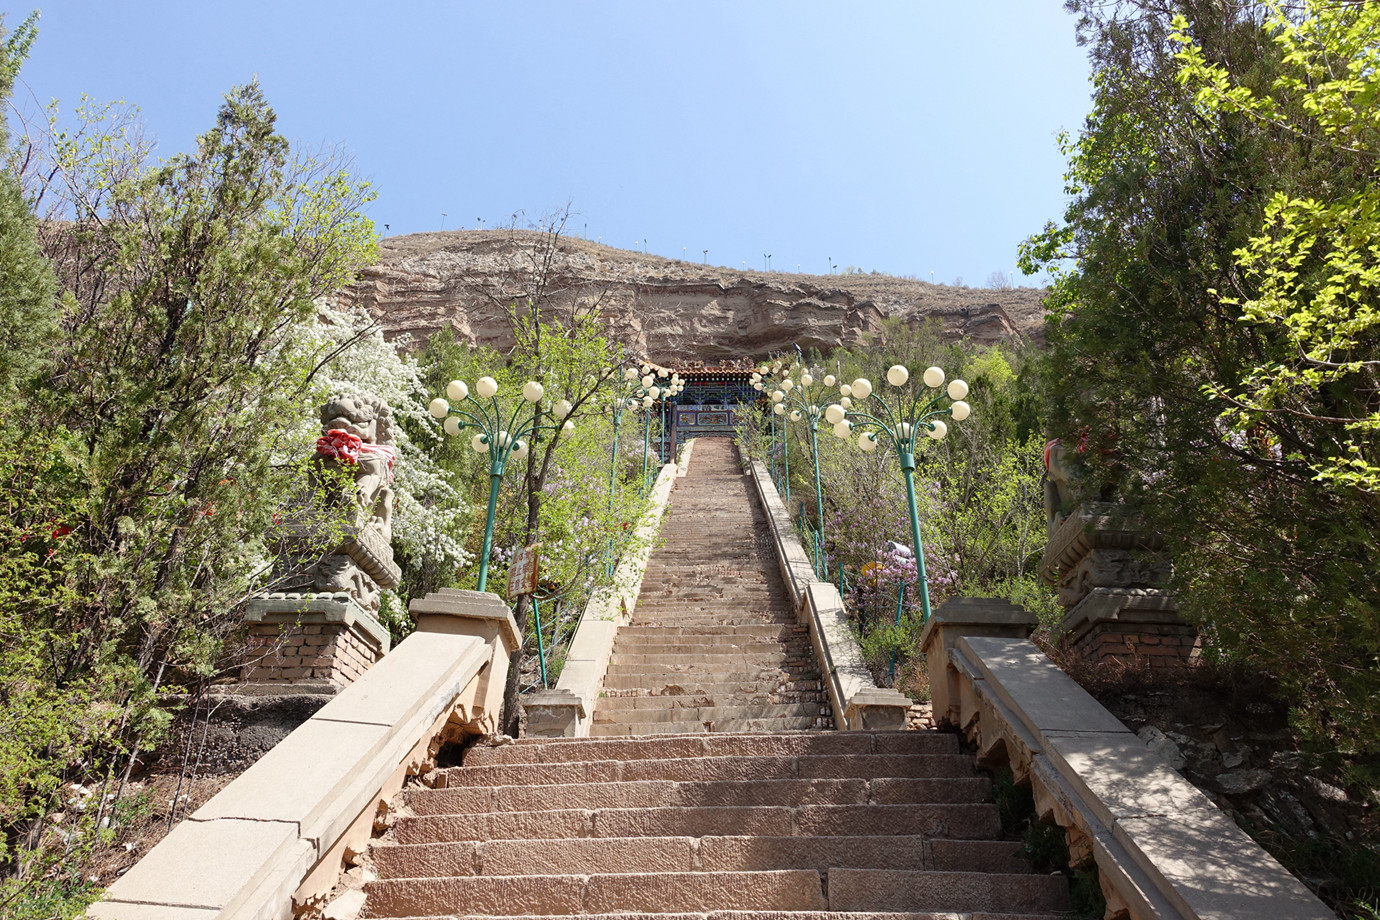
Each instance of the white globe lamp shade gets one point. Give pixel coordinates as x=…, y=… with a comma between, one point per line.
x=904, y=431
x=777, y=396
x=788, y=384
x=504, y=439
x=486, y=387
x=479, y=443
x=646, y=368
x=834, y=414
x=843, y=430
x=519, y=450
x=654, y=392
x=897, y=375
x=867, y=441
x=845, y=390
x=648, y=380
x=846, y=402
x=563, y=408
x=934, y=377
x=532, y=391
x=647, y=402
x=806, y=380
x=630, y=373
x=958, y=390
x=862, y=388
x=661, y=373
x=568, y=426
x=457, y=390
x=757, y=385
x=795, y=415
x=438, y=407
x=938, y=430
x=453, y=426
x=829, y=380
x=779, y=409
x=961, y=410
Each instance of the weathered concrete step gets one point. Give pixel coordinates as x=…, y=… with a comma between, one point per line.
x=726, y=659
x=712, y=713
x=567, y=750
x=667, y=794
x=718, y=615
x=564, y=895
x=683, y=701
x=780, y=915
x=688, y=685
x=564, y=856
x=963, y=822
x=639, y=676
x=692, y=645
x=725, y=725
x=805, y=766
x=764, y=630
x=682, y=892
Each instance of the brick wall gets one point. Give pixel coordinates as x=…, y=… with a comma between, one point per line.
x=1158, y=645
x=322, y=653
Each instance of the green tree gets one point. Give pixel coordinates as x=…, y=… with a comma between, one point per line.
x=1150, y=332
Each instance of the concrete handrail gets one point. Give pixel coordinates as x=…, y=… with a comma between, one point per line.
x=1163, y=850
x=273, y=841
x=858, y=703
x=568, y=709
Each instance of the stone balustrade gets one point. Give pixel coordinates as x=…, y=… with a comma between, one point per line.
x=567, y=710
x=273, y=842
x=858, y=703
x=1162, y=849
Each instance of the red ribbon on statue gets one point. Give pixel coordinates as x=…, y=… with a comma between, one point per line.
x=340, y=444
x=384, y=451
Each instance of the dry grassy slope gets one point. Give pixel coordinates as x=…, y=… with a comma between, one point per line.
x=661, y=306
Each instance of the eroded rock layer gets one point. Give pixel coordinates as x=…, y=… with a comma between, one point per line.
x=466, y=279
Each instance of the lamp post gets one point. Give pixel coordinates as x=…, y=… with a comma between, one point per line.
x=901, y=424
x=462, y=410
x=798, y=402
x=761, y=381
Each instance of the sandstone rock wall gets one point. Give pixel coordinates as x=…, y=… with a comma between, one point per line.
x=464, y=279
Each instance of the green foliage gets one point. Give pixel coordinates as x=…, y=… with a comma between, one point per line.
x=1219, y=268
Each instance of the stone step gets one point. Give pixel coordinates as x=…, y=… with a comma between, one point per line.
x=689, y=685
x=724, y=725
x=566, y=750
x=682, y=892
x=564, y=895
x=700, y=769
x=728, y=659
x=955, y=821
x=712, y=713
x=696, y=645
x=469, y=800
x=564, y=856
x=778, y=915
x=666, y=675
x=762, y=630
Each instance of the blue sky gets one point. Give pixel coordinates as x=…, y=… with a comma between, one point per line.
x=907, y=137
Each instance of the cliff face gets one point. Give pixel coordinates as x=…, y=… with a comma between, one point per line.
x=660, y=307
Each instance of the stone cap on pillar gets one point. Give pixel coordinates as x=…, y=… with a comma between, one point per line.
x=877, y=709
x=981, y=616
x=478, y=613
x=317, y=609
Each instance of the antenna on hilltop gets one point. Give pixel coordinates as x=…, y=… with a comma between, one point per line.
x=443, y=220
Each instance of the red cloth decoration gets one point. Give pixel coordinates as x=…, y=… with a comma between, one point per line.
x=340, y=444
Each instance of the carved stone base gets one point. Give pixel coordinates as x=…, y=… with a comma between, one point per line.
x=1132, y=626
x=321, y=642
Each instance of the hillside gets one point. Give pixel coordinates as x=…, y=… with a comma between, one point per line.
x=463, y=278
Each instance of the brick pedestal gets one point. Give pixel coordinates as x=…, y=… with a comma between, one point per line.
x=1112, y=577
x=302, y=643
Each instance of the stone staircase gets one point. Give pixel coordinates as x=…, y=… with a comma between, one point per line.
x=813, y=824
x=713, y=645
x=723, y=805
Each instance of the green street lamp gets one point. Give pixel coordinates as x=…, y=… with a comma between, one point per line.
x=762, y=380
x=492, y=437
x=636, y=388
x=902, y=424
x=800, y=402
